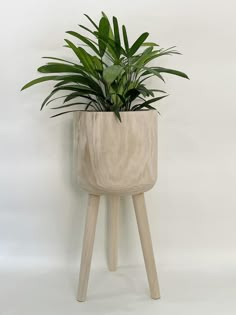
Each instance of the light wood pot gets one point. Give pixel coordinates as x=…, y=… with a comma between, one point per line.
x=116, y=158
x=113, y=157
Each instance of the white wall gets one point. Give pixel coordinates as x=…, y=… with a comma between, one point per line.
x=192, y=208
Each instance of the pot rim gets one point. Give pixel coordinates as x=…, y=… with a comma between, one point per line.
x=112, y=113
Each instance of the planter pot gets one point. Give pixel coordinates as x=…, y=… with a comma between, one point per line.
x=116, y=158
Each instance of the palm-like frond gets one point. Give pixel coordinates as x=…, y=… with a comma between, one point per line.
x=107, y=76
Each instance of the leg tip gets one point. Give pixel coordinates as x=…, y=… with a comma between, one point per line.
x=81, y=300
x=155, y=296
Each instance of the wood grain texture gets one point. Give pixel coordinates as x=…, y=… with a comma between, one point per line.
x=87, y=251
x=113, y=157
x=113, y=220
x=146, y=242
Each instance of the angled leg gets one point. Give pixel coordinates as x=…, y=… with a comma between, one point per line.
x=113, y=217
x=87, y=251
x=146, y=242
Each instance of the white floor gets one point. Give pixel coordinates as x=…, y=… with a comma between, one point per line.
x=47, y=292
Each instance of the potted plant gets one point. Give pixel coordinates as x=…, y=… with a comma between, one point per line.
x=109, y=77
x=115, y=136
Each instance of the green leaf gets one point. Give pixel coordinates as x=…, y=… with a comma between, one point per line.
x=68, y=105
x=160, y=91
x=123, y=100
x=116, y=36
x=117, y=113
x=86, y=29
x=103, y=33
x=90, y=105
x=111, y=73
x=97, y=63
x=89, y=18
x=111, y=35
x=132, y=94
x=140, y=61
x=74, y=78
x=137, y=44
x=125, y=38
x=76, y=88
x=162, y=52
x=84, y=57
x=85, y=80
x=87, y=60
x=62, y=83
x=59, y=59
x=85, y=40
x=155, y=99
x=71, y=96
x=75, y=95
x=152, y=71
x=73, y=47
x=149, y=44
x=57, y=68
x=48, y=98
x=115, y=108
x=69, y=111
x=79, y=88
x=171, y=71
x=143, y=106
x=146, y=78
x=144, y=91
x=104, y=15
x=139, y=106
x=39, y=80
x=54, y=99
x=109, y=43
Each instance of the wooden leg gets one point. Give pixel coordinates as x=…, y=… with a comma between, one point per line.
x=113, y=216
x=87, y=251
x=146, y=242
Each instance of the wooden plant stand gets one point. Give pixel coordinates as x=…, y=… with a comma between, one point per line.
x=115, y=159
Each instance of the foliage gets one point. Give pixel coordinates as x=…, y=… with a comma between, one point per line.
x=108, y=75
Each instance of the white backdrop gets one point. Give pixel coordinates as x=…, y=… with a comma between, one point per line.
x=192, y=207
